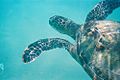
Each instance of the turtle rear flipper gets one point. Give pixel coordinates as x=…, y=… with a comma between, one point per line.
x=102, y=10
x=35, y=49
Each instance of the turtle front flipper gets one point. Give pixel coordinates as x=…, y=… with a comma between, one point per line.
x=102, y=10
x=35, y=49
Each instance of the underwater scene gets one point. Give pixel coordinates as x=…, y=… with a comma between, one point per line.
x=23, y=22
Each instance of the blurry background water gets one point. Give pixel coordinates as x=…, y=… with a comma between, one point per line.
x=25, y=21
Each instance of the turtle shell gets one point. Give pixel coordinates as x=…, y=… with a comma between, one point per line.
x=98, y=46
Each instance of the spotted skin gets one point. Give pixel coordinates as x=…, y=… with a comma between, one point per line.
x=64, y=25
x=36, y=48
x=102, y=10
x=95, y=42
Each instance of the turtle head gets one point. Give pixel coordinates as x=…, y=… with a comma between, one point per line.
x=59, y=23
x=64, y=25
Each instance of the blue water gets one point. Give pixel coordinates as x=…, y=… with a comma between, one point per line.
x=25, y=21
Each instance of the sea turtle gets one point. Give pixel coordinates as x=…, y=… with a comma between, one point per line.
x=97, y=42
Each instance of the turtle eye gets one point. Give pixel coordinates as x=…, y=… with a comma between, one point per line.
x=63, y=22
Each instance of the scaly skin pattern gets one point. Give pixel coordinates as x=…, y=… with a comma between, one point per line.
x=102, y=10
x=35, y=49
x=100, y=50
x=98, y=42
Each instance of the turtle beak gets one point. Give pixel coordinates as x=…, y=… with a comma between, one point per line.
x=52, y=20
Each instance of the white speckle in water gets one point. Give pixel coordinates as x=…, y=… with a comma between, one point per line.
x=1, y=67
